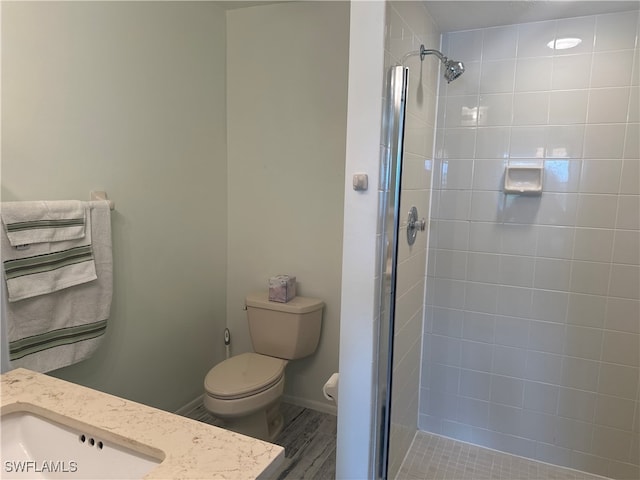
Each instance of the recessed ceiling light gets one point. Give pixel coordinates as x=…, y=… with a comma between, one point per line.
x=564, y=43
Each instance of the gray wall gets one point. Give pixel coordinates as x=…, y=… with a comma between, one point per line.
x=287, y=107
x=130, y=98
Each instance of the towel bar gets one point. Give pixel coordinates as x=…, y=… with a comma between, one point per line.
x=99, y=195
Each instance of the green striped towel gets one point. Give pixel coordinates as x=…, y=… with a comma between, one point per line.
x=47, y=332
x=46, y=267
x=43, y=221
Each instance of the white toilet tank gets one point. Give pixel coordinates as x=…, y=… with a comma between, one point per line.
x=284, y=330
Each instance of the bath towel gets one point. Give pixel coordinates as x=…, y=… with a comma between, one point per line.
x=43, y=221
x=41, y=266
x=50, y=331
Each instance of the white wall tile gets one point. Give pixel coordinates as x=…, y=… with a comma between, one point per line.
x=527, y=142
x=580, y=373
x=488, y=174
x=550, y=306
x=485, y=237
x=622, y=314
x=479, y=327
x=495, y=109
x=455, y=174
x=500, y=43
x=511, y=331
x=516, y=270
x=463, y=45
x=476, y=355
x=628, y=207
x=551, y=293
x=576, y=404
x=561, y=175
x=618, y=380
x=461, y=111
x=530, y=108
x=597, y=211
x=555, y=241
x=590, y=277
x=459, y=143
x=533, y=74
x=492, y=142
x=568, y=107
x=543, y=367
x=582, y=28
x=497, y=76
x=600, y=176
x=541, y=397
x=608, y=105
x=626, y=247
x=564, y=141
x=546, y=336
x=625, y=281
x=475, y=384
x=514, y=301
x=533, y=38
x=583, y=342
x=587, y=310
x=519, y=239
x=615, y=412
x=593, y=244
x=571, y=72
x=632, y=141
x=612, y=69
x=507, y=391
x=616, y=31
x=557, y=209
x=552, y=274
x=509, y=361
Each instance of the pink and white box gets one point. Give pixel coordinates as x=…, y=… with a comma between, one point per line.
x=282, y=288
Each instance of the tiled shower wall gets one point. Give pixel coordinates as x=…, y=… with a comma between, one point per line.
x=532, y=328
x=407, y=26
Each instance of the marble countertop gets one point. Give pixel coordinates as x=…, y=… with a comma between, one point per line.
x=187, y=449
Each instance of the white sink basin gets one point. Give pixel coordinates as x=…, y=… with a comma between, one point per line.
x=35, y=447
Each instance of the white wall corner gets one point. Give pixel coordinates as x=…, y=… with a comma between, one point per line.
x=366, y=65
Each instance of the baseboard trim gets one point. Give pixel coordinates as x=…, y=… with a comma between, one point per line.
x=190, y=406
x=312, y=404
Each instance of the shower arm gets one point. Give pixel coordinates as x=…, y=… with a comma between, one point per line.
x=426, y=51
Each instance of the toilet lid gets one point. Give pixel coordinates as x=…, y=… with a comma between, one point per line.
x=244, y=375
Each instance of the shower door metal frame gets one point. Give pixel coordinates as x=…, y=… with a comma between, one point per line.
x=389, y=212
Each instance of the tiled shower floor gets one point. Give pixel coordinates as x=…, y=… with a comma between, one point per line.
x=434, y=457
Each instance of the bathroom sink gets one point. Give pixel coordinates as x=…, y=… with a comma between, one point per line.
x=36, y=447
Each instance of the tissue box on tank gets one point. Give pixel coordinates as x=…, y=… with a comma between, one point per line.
x=282, y=288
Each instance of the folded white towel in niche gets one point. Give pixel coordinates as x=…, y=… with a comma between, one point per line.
x=42, y=267
x=51, y=331
x=43, y=221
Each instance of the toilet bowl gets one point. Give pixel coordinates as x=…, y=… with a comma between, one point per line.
x=245, y=390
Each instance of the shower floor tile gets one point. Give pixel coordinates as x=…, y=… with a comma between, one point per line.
x=434, y=457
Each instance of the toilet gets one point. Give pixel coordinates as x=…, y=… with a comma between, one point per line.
x=245, y=390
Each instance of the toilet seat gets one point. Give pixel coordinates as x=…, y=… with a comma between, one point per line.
x=243, y=376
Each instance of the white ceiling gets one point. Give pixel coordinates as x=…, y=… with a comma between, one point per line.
x=454, y=15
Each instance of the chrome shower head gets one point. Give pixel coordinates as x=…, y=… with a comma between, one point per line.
x=452, y=68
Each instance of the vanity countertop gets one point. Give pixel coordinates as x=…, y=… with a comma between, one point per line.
x=188, y=449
